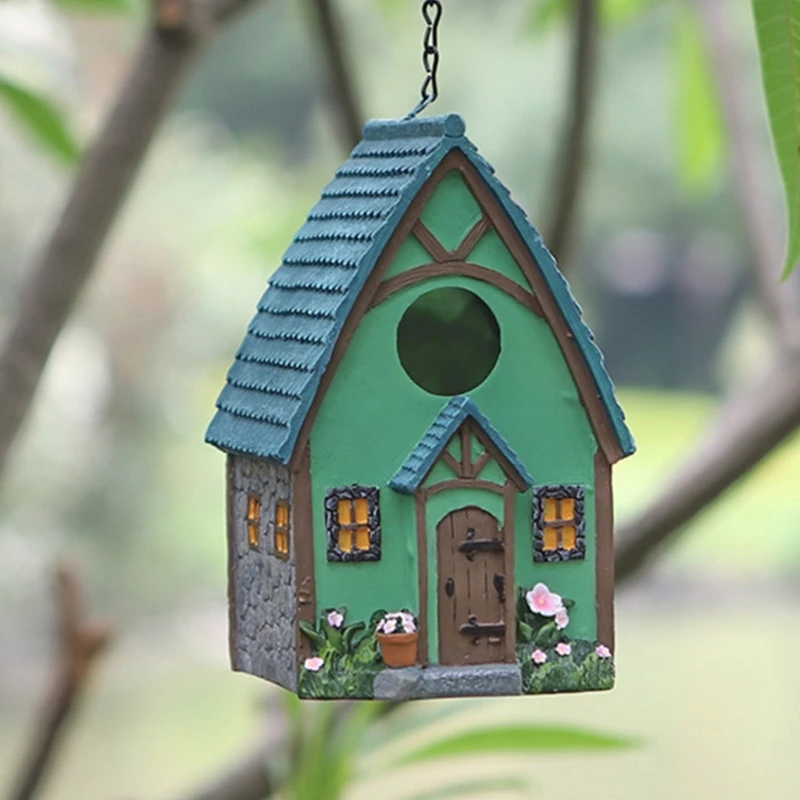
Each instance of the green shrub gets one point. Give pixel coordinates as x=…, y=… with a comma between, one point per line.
x=581, y=670
x=349, y=656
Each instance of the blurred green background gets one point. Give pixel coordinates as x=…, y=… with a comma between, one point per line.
x=112, y=469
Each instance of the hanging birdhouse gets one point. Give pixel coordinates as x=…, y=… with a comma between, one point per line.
x=420, y=432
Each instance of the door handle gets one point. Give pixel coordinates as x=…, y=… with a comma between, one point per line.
x=449, y=587
x=499, y=582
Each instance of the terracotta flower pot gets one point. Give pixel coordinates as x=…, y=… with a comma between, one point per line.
x=398, y=649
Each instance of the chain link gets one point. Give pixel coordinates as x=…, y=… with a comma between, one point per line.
x=432, y=14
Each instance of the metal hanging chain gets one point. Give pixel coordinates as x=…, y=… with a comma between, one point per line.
x=432, y=14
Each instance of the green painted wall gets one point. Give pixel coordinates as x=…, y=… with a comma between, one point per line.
x=451, y=211
x=373, y=415
x=491, y=252
x=411, y=254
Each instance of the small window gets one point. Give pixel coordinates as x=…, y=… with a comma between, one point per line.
x=254, y=521
x=352, y=517
x=559, y=524
x=282, y=526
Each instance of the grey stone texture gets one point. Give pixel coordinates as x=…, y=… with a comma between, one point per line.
x=475, y=680
x=264, y=584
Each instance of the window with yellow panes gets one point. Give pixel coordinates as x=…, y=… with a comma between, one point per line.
x=254, y=521
x=559, y=523
x=353, y=523
x=282, y=528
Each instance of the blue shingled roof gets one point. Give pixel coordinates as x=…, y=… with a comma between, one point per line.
x=422, y=458
x=279, y=366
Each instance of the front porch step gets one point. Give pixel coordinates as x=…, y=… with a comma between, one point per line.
x=474, y=680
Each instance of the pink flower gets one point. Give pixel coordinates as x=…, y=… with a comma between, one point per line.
x=335, y=619
x=542, y=601
x=562, y=619
x=563, y=649
x=538, y=657
x=314, y=664
x=603, y=651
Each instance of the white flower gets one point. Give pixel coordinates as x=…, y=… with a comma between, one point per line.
x=314, y=664
x=335, y=619
x=389, y=625
x=562, y=619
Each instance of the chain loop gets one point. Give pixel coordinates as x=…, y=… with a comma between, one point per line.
x=432, y=14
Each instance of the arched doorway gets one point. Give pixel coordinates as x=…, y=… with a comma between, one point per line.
x=472, y=586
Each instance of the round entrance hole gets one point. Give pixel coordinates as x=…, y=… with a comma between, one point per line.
x=448, y=341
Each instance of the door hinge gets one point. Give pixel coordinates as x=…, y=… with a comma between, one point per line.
x=478, y=630
x=471, y=546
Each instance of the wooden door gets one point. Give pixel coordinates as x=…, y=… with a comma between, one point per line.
x=472, y=588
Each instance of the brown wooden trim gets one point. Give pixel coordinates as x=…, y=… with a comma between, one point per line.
x=509, y=497
x=508, y=468
x=304, y=549
x=469, y=483
x=481, y=463
x=451, y=462
x=422, y=555
x=475, y=271
x=430, y=242
x=471, y=239
x=230, y=513
x=466, y=450
x=604, y=555
x=587, y=389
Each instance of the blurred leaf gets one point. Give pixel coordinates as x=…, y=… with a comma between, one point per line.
x=545, y=13
x=393, y=8
x=701, y=130
x=518, y=739
x=778, y=31
x=618, y=11
x=473, y=787
x=98, y=6
x=43, y=120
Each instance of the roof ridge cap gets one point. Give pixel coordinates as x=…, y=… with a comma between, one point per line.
x=449, y=125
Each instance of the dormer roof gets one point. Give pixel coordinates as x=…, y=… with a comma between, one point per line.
x=428, y=450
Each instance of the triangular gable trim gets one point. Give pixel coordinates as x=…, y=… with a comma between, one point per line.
x=430, y=447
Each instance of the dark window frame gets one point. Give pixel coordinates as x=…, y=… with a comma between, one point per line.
x=559, y=492
x=332, y=525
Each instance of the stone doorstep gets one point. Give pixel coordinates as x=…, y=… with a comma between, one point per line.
x=473, y=680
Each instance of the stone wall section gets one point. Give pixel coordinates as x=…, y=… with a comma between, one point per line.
x=264, y=584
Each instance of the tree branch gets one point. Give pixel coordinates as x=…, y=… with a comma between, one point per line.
x=748, y=428
x=342, y=85
x=570, y=163
x=757, y=420
x=751, y=174
x=247, y=779
x=103, y=181
x=80, y=643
